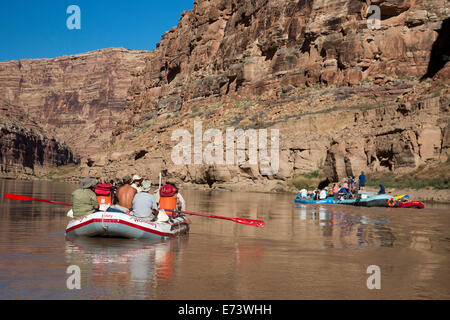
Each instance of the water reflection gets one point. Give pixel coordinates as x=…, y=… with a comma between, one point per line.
x=344, y=229
x=248, y=252
x=138, y=265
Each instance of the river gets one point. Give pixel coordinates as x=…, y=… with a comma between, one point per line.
x=303, y=252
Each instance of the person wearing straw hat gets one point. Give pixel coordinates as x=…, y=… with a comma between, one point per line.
x=84, y=200
x=144, y=203
x=137, y=182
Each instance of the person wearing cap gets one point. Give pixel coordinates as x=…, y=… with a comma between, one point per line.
x=84, y=200
x=137, y=182
x=173, y=201
x=126, y=193
x=144, y=203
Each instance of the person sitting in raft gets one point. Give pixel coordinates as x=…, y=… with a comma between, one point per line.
x=84, y=199
x=169, y=198
x=335, y=190
x=144, y=203
x=137, y=182
x=316, y=195
x=303, y=193
x=126, y=193
x=323, y=194
x=344, y=192
x=345, y=185
x=351, y=185
x=382, y=190
x=330, y=194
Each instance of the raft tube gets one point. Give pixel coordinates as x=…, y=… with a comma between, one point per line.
x=411, y=204
x=115, y=224
x=381, y=200
x=299, y=199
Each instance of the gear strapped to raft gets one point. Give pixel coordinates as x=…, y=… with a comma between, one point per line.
x=104, y=193
x=168, y=198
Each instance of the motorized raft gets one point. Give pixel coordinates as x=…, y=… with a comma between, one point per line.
x=116, y=224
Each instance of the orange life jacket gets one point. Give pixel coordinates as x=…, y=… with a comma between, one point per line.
x=104, y=200
x=168, y=203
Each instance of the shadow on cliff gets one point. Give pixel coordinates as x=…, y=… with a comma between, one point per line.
x=440, y=52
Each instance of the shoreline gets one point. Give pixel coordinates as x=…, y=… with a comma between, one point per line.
x=428, y=194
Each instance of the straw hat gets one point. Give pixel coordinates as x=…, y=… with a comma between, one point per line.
x=137, y=177
x=146, y=185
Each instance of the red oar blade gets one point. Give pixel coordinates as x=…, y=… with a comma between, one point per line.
x=250, y=222
x=17, y=197
x=21, y=197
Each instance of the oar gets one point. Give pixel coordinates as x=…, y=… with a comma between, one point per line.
x=20, y=197
x=249, y=222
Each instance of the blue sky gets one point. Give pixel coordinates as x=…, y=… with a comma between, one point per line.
x=37, y=29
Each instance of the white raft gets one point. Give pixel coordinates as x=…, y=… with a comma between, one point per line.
x=115, y=224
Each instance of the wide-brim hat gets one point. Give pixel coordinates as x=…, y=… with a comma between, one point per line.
x=87, y=183
x=137, y=177
x=146, y=185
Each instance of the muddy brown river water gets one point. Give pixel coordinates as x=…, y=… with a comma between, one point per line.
x=304, y=252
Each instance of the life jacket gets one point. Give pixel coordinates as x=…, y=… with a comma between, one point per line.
x=168, y=198
x=104, y=193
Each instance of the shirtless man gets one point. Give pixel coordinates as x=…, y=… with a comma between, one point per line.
x=126, y=193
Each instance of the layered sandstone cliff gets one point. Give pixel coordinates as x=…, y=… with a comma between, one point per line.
x=79, y=98
x=223, y=47
x=25, y=149
x=344, y=97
